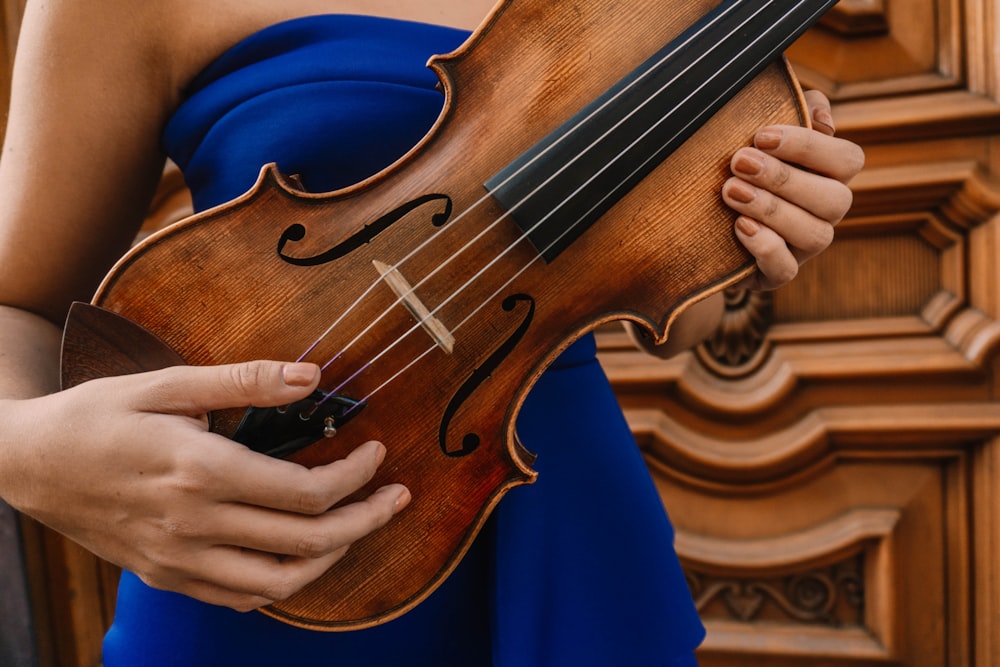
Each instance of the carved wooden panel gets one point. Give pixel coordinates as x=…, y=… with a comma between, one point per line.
x=829, y=456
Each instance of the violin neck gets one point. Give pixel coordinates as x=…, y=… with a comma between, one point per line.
x=558, y=188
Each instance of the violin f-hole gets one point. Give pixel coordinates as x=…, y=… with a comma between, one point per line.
x=471, y=441
x=296, y=233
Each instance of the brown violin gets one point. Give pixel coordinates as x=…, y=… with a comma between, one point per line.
x=579, y=139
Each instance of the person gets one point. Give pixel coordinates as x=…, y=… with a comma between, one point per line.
x=206, y=529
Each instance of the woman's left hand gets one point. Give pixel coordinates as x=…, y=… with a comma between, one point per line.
x=790, y=190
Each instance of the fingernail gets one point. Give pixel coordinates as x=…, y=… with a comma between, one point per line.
x=298, y=374
x=749, y=165
x=747, y=226
x=824, y=117
x=741, y=192
x=379, y=453
x=402, y=499
x=768, y=139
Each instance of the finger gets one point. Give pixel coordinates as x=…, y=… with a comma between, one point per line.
x=826, y=198
x=820, y=112
x=306, y=536
x=241, y=579
x=776, y=262
x=263, y=481
x=807, y=234
x=215, y=595
x=195, y=390
x=247, y=578
x=267, y=576
x=815, y=151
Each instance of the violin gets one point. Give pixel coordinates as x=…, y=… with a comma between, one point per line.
x=579, y=139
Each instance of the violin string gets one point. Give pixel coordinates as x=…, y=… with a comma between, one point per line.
x=500, y=289
x=476, y=205
x=496, y=259
x=525, y=235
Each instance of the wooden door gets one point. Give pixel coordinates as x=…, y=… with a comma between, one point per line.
x=829, y=457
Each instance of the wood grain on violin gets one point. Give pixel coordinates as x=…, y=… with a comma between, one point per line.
x=579, y=140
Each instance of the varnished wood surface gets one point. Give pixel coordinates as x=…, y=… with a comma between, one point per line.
x=852, y=432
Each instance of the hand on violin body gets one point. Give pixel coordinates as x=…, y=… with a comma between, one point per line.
x=790, y=190
x=126, y=467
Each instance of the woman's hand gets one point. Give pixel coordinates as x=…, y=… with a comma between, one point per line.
x=791, y=190
x=126, y=467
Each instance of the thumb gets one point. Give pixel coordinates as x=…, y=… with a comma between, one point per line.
x=195, y=390
x=820, y=112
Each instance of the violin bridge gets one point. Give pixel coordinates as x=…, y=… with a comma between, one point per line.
x=432, y=325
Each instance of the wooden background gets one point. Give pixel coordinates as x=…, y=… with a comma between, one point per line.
x=830, y=458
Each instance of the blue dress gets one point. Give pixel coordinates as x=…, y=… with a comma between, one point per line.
x=577, y=569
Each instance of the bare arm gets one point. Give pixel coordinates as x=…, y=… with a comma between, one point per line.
x=81, y=157
x=125, y=465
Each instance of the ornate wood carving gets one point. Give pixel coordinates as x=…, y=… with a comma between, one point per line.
x=867, y=48
x=869, y=382
x=740, y=344
x=815, y=577
x=854, y=18
x=831, y=596
x=825, y=582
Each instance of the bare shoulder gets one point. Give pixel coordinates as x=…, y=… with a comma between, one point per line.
x=158, y=44
x=175, y=39
x=81, y=157
x=198, y=30
x=66, y=40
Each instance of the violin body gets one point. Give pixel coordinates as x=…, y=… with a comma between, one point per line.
x=266, y=275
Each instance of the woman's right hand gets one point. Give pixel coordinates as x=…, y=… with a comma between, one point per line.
x=126, y=467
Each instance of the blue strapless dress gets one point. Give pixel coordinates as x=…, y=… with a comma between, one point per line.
x=578, y=569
